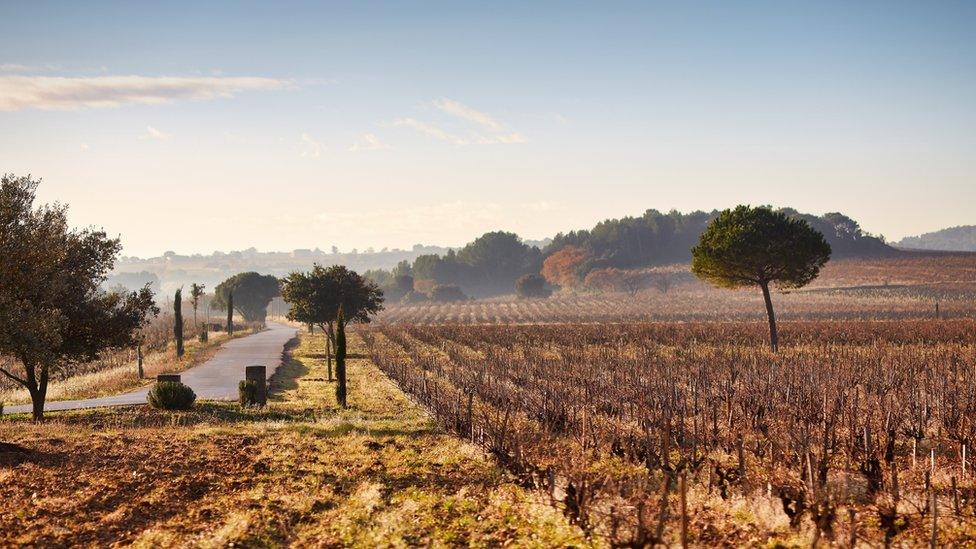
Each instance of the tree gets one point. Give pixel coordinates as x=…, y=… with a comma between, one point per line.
x=230, y=313
x=196, y=292
x=341, y=358
x=616, y=280
x=178, y=321
x=494, y=261
x=316, y=296
x=750, y=246
x=252, y=294
x=562, y=268
x=532, y=285
x=447, y=292
x=402, y=268
x=53, y=311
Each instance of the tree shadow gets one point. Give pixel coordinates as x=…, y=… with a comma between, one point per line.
x=286, y=377
x=12, y=455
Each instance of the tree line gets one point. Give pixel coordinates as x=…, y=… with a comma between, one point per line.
x=493, y=263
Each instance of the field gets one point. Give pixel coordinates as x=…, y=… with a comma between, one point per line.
x=301, y=471
x=581, y=420
x=889, y=288
x=847, y=433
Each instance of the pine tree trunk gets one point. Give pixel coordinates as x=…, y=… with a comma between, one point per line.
x=773, y=337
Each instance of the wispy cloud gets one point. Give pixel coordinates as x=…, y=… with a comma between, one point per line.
x=368, y=142
x=503, y=139
x=431, y=130
x=155, y=135
x=482, y=123
x=70, y=93
x=310, y=147
x=464, y=112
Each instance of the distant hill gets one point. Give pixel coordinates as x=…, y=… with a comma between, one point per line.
x=172, y=270
x=491, y=263
x=953, y=239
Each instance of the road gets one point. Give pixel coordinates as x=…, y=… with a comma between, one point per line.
x=215, y=379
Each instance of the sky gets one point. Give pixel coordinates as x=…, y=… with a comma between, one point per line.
x=202, y=126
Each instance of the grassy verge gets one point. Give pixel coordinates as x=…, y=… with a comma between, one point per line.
x=113, y=381
x=298, y=472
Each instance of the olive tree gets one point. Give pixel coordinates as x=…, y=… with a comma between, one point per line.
x=749, y=246
x=53, y=310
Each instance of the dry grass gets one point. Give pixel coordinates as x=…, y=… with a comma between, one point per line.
x=123, y=378
x=299, y=472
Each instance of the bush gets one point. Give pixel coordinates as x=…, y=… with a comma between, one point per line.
x=414, y=297
x=532, y=285
x=447, y=293
x=247, y=393
x=171, y=395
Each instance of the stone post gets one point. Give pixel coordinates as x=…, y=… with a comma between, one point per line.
x=258, y=374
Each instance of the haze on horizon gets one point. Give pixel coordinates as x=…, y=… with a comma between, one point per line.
x=232, y=125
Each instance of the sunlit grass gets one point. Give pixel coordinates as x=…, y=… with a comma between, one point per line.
x=126, y=377
x=299, y=472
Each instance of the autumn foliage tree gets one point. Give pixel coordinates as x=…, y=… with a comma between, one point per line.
x=562, y=268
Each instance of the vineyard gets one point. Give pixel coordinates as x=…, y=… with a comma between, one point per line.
x=667, y=432
x=910, y=287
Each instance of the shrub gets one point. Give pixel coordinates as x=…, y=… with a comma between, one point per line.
x=171, y=395
x=532, y=285
x=447, y=293
x=247, y=392
x=414, y=297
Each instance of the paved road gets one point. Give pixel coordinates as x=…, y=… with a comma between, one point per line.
x=215, y=379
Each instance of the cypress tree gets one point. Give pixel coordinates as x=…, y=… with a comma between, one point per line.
x=340, y=358
x=230, y=313
x=178, y=321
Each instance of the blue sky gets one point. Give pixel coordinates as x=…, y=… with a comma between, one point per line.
x=228, y=125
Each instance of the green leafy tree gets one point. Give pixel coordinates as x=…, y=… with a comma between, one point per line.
x=531, y=286
x=53, y=310
x=316, y=296
x=749, y=246
x=341, y=359
x=252, y=294
x=178, y=321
